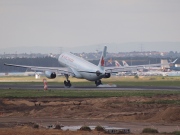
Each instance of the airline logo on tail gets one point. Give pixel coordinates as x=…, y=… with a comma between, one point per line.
x=117, y=63
x=124, y=63
x=102, y=62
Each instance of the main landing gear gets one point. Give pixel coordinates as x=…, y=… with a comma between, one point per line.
x=67, y=82
x=98, y=82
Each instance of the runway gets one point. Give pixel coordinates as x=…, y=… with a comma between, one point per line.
x=61, y=87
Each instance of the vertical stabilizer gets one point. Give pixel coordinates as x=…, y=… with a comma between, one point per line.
x=101, y=61
x=174, y=61
x=125, y=64
x=117, y=63
x=172, y=64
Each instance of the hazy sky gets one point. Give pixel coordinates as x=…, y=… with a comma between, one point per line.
x=70, y=23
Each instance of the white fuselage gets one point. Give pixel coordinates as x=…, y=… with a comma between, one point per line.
x=81, y=68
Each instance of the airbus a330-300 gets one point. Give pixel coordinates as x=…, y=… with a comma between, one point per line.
x=80, y=68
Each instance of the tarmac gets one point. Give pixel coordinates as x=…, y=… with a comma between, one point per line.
x=105, y=87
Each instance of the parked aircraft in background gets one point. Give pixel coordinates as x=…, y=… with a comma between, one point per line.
x=173, y=73
x=173, y=66
x=125, y=63
x=165, y=70
x=167, y=66
x=117, y=64
x=79, y=68
x=146, y=71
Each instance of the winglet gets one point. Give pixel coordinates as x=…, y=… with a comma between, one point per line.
x=101, y=61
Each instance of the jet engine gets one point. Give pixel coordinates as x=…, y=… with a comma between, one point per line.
x=107, y=75
x=98, y=73
x=50, y=75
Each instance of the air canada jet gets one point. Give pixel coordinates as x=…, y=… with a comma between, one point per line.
x=79, y=68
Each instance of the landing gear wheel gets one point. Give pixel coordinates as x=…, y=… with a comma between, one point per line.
x=98, y=82
x=67, y=83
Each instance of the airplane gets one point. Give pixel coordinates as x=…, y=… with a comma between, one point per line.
x=128, y=72
x=125, y=63
x=173, y=66
x=168, y=66
x=80, y=68
x=117, y=64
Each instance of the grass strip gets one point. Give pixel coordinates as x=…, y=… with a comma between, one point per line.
x=15, y=93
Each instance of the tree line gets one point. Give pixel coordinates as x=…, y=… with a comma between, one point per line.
x=46, y=62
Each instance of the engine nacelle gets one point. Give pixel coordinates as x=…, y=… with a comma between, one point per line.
x=107, y=75
x=50, y=75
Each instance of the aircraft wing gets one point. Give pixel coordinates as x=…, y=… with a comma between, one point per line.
x=119, y=69
x=129, y=68
x=58, y=70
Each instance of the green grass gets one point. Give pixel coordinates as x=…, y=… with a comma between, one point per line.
x=12, y=93
x=176, y=133
x=120, y=81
